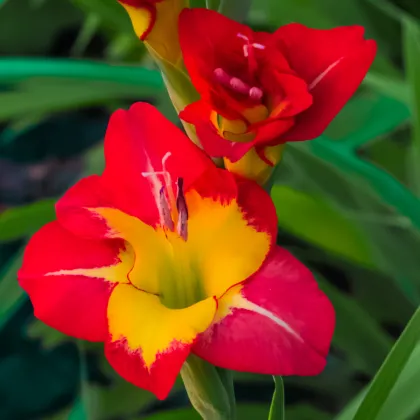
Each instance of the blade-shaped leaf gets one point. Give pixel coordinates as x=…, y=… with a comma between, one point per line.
x=411, y=31
x=388, y=374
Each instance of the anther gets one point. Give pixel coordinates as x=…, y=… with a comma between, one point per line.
x=165, y=209
x=239, y=86
x=181, y=205
x=221, y=76
x=256, y=93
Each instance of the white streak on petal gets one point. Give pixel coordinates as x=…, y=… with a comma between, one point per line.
x=238, y=301
x=323, y=74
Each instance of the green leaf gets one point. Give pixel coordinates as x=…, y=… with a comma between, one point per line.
x=212, y=4
x=235, y=9
x=48, y=336
x=38, y=28
x=392, y=87
x=110, y=12
x=78, y=412
x=411, y=38
x=390, y=371
x=245, y=412
x=357, y=333
x=403, y=402
x=20, y=69
x=11, y=293
x=41, y=95
x=17, y=222
x=313, y=219
x=277, y=403
x=381, y=208
x=46, y=86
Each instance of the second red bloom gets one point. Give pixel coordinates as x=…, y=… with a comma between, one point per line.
x=259, y=89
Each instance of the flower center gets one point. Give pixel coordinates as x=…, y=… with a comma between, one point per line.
x=170, y=207
x=237, y=85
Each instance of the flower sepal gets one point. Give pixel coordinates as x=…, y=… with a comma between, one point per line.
x=207, y=390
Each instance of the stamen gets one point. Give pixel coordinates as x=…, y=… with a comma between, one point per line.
x=221, y=76
x=181, y=205
x=256, y=93
x=242, y=36
x=147, y=174
x=165, y=159
x=165, y=209
x=162, y=191
x=247, y=47
x=239, y=86
x=258, y=46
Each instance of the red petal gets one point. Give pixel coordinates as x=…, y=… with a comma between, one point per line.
x=73, y=209
x=210, y=40
x=217, y=184
x=257, y=207
x=62, y=275
x=198, y=114
x=270, y=133
x=278, y=323
x=138, y=143
x=333, y=62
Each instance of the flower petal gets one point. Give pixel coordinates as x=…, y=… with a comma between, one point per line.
x=84, y=211
x=219, y=47
x=144, y=152
x=257, y=165
x=278, y=323
x=141, y=142
x=149, y=342
x=69, y=280
x=198, y=114
x=229, y=241
x=338, y=60
x=142, y=15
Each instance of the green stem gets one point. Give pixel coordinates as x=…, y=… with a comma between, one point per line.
x=227, y=379
x=206, y=390
x=277, y=403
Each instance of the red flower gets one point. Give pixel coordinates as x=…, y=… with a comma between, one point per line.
x=259, y=89
x=164, y=254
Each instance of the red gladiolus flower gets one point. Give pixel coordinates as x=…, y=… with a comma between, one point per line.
x=165, y=254
x=261, y=90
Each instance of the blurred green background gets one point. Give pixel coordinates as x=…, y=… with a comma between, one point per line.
x=348, y=204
